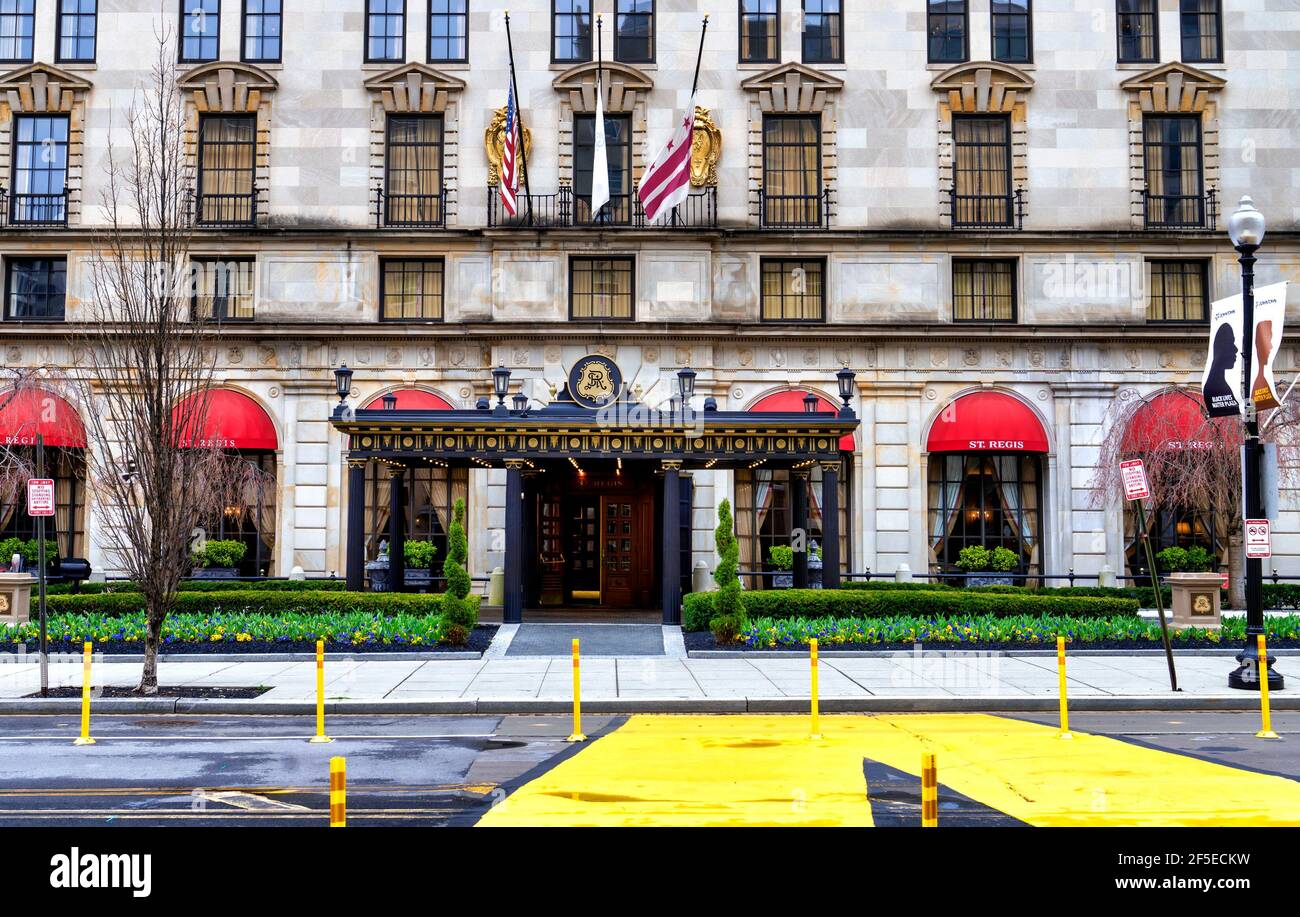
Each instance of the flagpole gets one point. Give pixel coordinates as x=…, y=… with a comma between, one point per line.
x=600, y=93
x=695, y=83
x=519, y=122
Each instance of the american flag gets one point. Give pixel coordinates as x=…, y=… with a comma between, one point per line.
x=667, y=182
x=509, y=184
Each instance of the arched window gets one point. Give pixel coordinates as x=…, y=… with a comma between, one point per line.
x=25, y=415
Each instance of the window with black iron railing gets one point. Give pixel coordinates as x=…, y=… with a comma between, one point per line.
x=1180, y=211
x=410, y=210
x=794, y=211
x=987, y=211
x=564, y=209
x=36, y=210
x=227, y=154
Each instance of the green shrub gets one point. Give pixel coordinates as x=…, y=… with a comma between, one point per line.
x=212, y=585
x=781, y=556
x=459, y=613
x=419, y=554
x=845, y=603
x=728, y=613
x=221, y=553
x=388, y=603
x=973, y=558
x=29, y=549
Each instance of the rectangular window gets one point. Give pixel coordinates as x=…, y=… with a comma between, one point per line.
x=1172, y=156
x=75, y=42
x=600, y=288
x=765, y=519
x=987, y=500
x=1138, y=25
x=385, y=31
x=40, y=170
x=34, y=289
x=1202, y=28
x=793, y=291
x=262, y=30
x=634, y=31
x=413, y=171
x=227, y=168
x=1178, y=292
x=224, y=289
x=200, y=31
x=981, y=171
x=411, y=290
x=792, y=170
x=760, y=31
x=946, y=25
x=448, y=31
x=823, y=32
x=983, y=290
x=570, y=31
x=1013, y=39
x=17, y=26
x=618, y=152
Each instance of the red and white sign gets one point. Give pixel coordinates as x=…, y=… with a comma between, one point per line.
x=1223, y=577
x=40, y=497
x=1134, y=475
x=1259, y=539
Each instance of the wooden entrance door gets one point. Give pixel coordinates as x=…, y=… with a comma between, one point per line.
x=627, y=551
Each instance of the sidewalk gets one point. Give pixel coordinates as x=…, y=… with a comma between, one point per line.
x=526, y=684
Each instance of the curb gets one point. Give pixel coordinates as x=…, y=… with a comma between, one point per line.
x=931, y=649
x=525, y=706
x=113, y=658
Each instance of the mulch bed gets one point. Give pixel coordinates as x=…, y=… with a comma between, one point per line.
x=479, y=640
x=703, y=640
x=163, y=691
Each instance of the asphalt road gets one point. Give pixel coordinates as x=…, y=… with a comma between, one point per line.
x=417, y=770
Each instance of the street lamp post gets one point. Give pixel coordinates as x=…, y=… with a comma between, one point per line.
x=1246, y=228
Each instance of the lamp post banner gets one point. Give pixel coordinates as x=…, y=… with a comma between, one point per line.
x=1222, y=378
x=1270, y=312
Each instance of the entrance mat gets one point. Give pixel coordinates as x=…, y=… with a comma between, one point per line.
x=594, y=640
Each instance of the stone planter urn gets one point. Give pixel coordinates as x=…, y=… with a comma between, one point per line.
x=989, y=579
x=214, y=573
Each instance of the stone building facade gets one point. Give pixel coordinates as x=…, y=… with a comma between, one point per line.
x=914, y=190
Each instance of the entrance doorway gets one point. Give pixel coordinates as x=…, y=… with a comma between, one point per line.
x=595, y=535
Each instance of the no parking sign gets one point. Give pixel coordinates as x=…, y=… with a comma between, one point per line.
x=40, y=497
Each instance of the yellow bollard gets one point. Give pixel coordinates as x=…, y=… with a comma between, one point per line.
x=85, y=738
x=812, y=646
x=577, y=698
x=1060, y=667
x=338, y=792
x=929, y=792
x=320, y=735
x=1266, y=727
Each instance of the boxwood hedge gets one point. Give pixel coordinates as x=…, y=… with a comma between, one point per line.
x=844, y=603
x=212, y=585
x=117, y=603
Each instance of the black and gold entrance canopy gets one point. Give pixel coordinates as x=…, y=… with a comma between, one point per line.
x=618, y=428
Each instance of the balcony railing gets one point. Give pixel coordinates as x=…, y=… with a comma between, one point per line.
x=987, y=211
x=794, y=211
x=1181, y=211
x=225, y=210
x=623, y=211
x=36, y=210
x=416, y=211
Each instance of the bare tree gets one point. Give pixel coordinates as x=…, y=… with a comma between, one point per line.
x=154, y=473
x=1192, y=461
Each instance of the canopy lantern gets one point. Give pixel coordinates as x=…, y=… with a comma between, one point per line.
x=232, y=421
x=792, y=401
x=987, y=422
x=29, y=412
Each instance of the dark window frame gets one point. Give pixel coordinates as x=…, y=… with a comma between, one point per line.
x=201, y=169
x=424, y=263
x=652, y=17
x=400, y=57
x=781, y=264
x=983, y=217
x=988, y=536
x=754, y=543
x=15, y=195
x=31, y=39
x=930, y=16
x=838, y=40
x=66, y=529
x=216, y=37
x=53, y=261
x=630, y=261
x=621, y=207
x=817, y=196
x=245, y=15
x=59, y=14
x=1027, y=16
x=205, y=263
x=1202, y=268
x=1183, y=16
x=1153, y=16
x=389, y=146
x=1198, y=198
x=464, y=34
x=985, y=303
x=740, y=32
x=573, y=37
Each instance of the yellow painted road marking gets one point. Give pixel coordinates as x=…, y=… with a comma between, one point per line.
x=762, y=770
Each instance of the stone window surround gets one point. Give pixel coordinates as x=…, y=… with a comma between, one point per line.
x=44, y=89
x=626, y=90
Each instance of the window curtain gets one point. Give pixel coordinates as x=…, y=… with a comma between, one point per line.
x=261, y=501
x=744, y=514
x=415, y=168
x=945, y=500
x=1029, y=496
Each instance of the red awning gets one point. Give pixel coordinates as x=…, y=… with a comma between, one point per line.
x=411, y=399
x=987, y=422
x=792, y=402
x=29, y=412
x=232, y=421
x=1175, y=419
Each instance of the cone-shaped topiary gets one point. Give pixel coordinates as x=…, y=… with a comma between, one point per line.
x=459, y=616
x=728, y=608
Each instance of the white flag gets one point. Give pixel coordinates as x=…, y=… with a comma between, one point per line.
x=599, y=158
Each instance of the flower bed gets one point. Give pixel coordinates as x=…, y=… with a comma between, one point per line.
x=990, y=632
x=266, y=602
x=242, y=632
